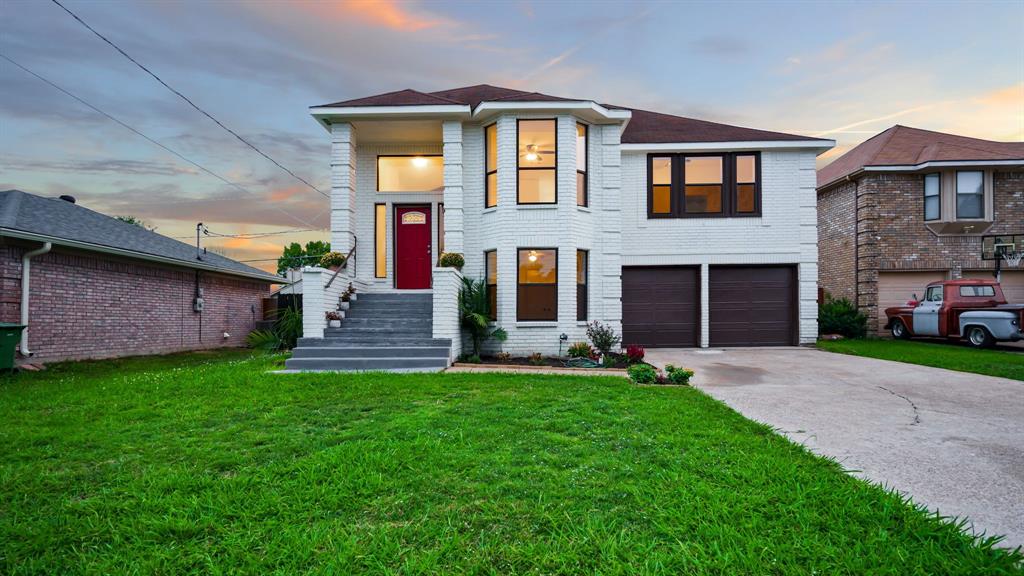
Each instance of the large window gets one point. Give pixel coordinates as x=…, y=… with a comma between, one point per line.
x=581, y=164
x=410, y=173
x=491, y=175
x=582, y=272
x=695, y=185
x=970, y=194
x=537, y=295
x=537, y=153
x=380, y=241
x=491, y=280
x=932, y=196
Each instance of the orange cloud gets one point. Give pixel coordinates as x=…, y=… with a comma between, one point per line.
x=381, y=13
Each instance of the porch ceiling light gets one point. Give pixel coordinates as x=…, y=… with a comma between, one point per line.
x=419, y=162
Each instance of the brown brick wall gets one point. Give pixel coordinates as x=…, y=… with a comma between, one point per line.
x=836, y=249
x=891, y=234
x=84, y=305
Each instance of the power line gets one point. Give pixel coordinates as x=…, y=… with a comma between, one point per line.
x=137, y=132
x=253, y=234
x=318, y=256
x=190, y=102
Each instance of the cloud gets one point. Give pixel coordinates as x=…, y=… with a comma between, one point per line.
x=720, y=45
x=123, y=167
x=876, y=120
x=389, y=14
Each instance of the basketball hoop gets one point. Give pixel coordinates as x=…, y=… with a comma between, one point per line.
x=1012, y=259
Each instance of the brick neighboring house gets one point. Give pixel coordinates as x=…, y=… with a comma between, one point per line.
x=107, y=288
x=910, y=206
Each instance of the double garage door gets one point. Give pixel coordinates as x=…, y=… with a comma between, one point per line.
x=749, y=306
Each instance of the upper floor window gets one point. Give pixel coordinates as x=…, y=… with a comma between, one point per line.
x=970, y=194
x=694, y=185
x=581, y=164
x=410, y=173
x=537, y=151
x=491, y=170
x=932, y=196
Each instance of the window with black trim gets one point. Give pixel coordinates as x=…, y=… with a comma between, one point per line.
x=582, y=275
x=537, y=279
x=380, y=241
x=410, y=173
x=970, y=194
x=491, y=282
x=704, y=185
x=932, y=196
x=491, y=170
x=536, y=161
x=581, y=164
x=440, y=229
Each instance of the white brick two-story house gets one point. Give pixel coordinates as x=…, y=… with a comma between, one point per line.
x=677, y=232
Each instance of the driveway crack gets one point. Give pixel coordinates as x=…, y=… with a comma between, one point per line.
x=917, y=416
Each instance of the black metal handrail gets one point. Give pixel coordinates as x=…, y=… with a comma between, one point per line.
x=348, y=258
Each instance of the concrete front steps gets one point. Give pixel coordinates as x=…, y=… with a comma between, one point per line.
x=392, y=332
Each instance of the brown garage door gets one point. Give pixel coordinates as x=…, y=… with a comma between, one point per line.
x=660, y=306
x=1012, y=282
x=752, y=305
x=895, y=288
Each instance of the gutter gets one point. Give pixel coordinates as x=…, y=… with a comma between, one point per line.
x=26, y=268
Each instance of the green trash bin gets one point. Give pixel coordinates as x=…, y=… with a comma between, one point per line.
x=10, y=335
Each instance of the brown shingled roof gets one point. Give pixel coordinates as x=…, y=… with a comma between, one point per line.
x=905, y=146
x=644, y=127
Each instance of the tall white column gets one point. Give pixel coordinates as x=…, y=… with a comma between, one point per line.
x=343, y=186
x=453, y=186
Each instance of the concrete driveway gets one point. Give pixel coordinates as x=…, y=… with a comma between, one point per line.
x=951, y=440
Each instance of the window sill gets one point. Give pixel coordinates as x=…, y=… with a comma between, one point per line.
x=536, y=324
x=537, y=206
x=490, y=210
x=583, y=208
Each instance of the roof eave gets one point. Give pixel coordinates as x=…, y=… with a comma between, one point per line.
x=24, y=235
x=326, y=115
x=586, y=109
x=819, y=146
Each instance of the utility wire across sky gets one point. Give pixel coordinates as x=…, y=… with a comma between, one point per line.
x=190, y=102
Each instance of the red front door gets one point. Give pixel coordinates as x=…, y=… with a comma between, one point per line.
x=412, y=247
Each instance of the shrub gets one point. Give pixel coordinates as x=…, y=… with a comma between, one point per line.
x=580, y=350
x=503, y=357
x=469, y=359
x=537, y=359
x=679, y=376
x=635, y=354
x=475, y=314
x=840, y=316
x=602, y=336
x=452, y=260
x=264, y=340
x=283, y=336
x=642, y=373
x=332, y=260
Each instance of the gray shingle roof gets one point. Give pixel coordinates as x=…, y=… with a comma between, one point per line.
x=61, y=220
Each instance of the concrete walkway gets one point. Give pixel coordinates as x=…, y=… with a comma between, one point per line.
x=951, y=440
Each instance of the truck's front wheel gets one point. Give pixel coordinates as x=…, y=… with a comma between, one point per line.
x=899, y=330
x=979, y=337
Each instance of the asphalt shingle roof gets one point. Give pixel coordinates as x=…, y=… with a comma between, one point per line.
x=644, y=127
x=60, y=219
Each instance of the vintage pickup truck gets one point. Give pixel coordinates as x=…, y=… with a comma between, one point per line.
x=974, y=310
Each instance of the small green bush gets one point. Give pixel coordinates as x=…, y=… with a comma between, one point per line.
x=580, y=350
x=332, y=260
x=679, y=376
x=452, y=260
x=840, y=316
x=642, y=373
x=603, y=337
x=470, y=359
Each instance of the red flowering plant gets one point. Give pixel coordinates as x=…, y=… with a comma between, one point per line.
x=635, y=354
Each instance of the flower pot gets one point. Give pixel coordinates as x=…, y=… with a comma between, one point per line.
x=343, y=305
x=334, y=323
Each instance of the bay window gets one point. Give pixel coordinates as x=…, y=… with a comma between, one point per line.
x=704, y=185
x=932, y=196
x=537, y=279
x=970, y=194
x=537, y=151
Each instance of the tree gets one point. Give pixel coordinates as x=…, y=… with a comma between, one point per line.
x=297, y=256
x=135, y=221
x=475, y=314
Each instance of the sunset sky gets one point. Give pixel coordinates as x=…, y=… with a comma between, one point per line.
x=839, y=70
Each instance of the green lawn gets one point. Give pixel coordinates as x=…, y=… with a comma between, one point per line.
x=940, y=355
x=206, y=464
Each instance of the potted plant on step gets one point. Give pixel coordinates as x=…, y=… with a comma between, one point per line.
x=334, y=319
x=332, y=260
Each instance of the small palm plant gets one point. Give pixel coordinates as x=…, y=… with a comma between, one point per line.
x=475, y=314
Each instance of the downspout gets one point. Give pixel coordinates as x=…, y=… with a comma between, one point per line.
x=25, y=269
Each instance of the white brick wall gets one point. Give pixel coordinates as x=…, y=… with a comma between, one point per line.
x=446, y=324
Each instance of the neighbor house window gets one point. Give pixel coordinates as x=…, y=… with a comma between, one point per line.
x=380, y=241
x=491, y=175
x=581, y=164
x=491, y=281
x=970, y=194
x=537, y=296
x=410, y=173
x=694, y=185
x=582, y=259
x=932, y=196
x=440, y=230
x=536, y=155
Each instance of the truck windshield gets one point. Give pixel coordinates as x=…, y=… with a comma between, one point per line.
x=977, y=291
